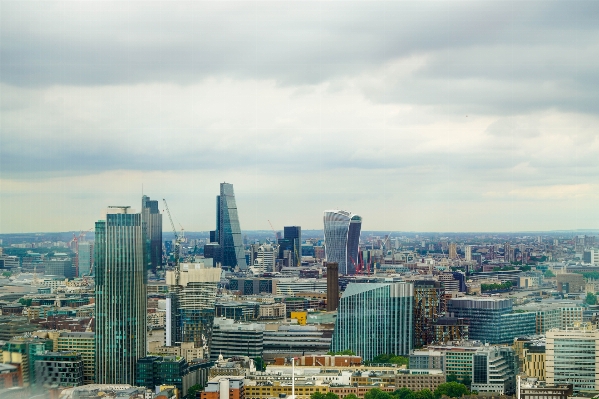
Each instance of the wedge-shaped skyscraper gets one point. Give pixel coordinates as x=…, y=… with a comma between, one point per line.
x=342, y=237
x=228, y=230
x=120, y=290
x=375, y=318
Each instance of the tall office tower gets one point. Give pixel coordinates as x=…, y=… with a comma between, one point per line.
x=264, y=260
x=453, y=251
x=427, y=310
x=342, y=237
x=491, y=319
x=152, y=224
x=228, y=230
x=375, y=318
x=491, y=252
x=571, y=358
x=86, y=258
x=190, y=305
x=294, y=235
x=332, y=286
x=121, y=302
x=507, y=252
x=468, y=252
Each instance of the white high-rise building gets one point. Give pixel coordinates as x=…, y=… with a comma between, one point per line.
x=468, y=252
x=342, y=237
x=265, y=258
x=571, y=357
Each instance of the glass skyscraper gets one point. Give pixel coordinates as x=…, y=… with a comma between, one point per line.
x=375, y=318
x=228, y=230
x=152, y=224
x=120, y=296
x=342, y=237
x=492, y=320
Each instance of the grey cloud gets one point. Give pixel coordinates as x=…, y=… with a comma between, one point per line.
x=294, y=42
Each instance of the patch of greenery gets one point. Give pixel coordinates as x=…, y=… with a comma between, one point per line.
x=496, y=287
x=389, y=358
x=347, y=352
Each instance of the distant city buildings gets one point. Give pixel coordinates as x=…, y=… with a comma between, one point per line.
x=120, y=296
x=342, y=237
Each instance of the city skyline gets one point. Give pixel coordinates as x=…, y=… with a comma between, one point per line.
x=417, y=116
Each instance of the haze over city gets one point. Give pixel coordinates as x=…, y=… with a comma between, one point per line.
x=428, y=116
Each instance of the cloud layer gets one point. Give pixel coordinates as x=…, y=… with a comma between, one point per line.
x=448, y=116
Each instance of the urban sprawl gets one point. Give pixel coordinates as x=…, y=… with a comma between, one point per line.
x=125, y=310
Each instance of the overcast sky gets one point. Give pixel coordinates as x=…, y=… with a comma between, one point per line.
x=418, y=116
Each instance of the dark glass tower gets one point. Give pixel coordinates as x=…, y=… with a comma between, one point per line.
x=152, y=224
x=294, y=235
x=228, y=229
x=120, y=296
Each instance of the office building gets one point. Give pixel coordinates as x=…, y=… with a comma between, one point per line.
x=550, y=314
x=59, y=369
x=508, y=252
x=295, y=340
x=294, y=235
x=536, y=389
x=534, y=359
x=86, y=258
x=62, y=268
x=342, y=237
x=152, y=227
x=375, y=318
x=453, y=250
x=190, y=304
x=10, y=376
x=175, y=371
x=231, y=339
x=21, y=352
x=224, y=388
x=494, y=369
x=570, y=282
x=81, y=343
x=468, y=253
x=571, y=358
x=120, y=299
x=332, y=286
x=264, y=259
x=449, y=329
x=228, y=230
x=427, y=309
x=486, y=314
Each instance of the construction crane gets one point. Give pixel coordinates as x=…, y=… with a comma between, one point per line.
x=177, y=244
x=273, y=231
x=89, y=326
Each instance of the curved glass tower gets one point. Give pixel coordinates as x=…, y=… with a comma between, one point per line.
x=342, y=237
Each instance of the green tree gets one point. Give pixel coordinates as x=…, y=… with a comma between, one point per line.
x=451, y=378
x=26, y=302
x=7, y=274
x=525, y=268
x=351, y=396
x=404, y=393
x=467, y=380
x=451, y=389
x=424, y=394
x=328, y=395
x=377, y=394
x=260, y=364
x=549, y=274
x=347, y=352
x=191, y=392
x=390, y=358
x=591, y=299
